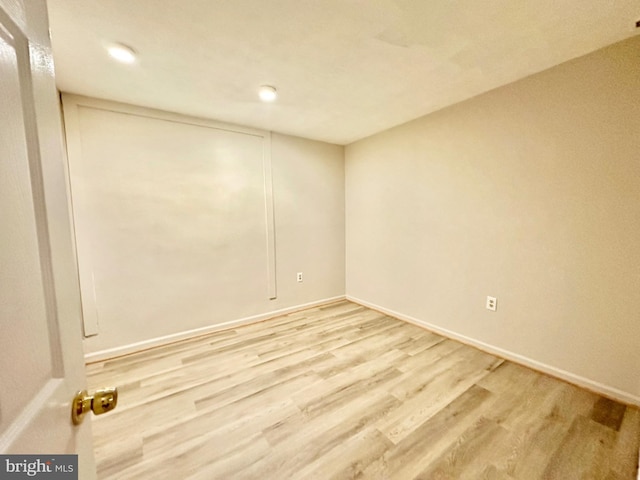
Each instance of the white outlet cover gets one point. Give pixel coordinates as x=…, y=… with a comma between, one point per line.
x=492, y=303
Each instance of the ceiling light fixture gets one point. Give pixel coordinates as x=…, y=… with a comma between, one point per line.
x=267, y=93
x=122, y=53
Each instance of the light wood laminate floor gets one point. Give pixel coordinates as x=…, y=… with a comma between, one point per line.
x=342, y=391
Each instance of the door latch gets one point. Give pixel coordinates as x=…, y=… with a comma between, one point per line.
x=102, y=401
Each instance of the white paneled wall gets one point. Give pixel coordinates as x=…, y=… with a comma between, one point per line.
x=175, y=223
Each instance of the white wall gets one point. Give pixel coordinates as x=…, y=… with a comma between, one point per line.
x=530, y=193
x=174, y=221
x=308, y=182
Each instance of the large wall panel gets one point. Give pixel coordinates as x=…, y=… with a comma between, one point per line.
x=174, y=222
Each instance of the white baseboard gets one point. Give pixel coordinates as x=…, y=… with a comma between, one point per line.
x=102, y=355
x=578, y=380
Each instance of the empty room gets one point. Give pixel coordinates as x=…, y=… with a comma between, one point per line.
x=331, y=239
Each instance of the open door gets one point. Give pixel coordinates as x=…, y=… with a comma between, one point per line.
x=41, y=362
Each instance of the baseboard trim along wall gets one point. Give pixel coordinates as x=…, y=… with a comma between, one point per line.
x=578, y=380
x=110, y=353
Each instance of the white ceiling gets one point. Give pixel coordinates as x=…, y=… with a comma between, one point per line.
x=344, y=69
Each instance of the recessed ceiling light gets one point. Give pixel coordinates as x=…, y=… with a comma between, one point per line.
x=122, y=53
x=267, y=93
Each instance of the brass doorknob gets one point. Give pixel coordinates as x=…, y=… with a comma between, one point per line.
x=102, y=401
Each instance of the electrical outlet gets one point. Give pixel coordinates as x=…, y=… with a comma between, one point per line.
x=299, y=277
x=492, y=303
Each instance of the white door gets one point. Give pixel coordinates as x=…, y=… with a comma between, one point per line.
x=41, y=364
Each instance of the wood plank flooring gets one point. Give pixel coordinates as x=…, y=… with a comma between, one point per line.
x=341, y=391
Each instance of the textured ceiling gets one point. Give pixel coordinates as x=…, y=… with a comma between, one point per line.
x=344, y=69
